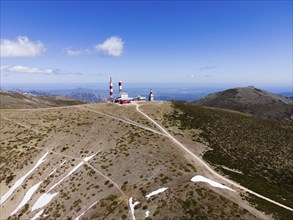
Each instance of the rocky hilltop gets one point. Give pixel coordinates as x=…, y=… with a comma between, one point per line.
x=253, y=101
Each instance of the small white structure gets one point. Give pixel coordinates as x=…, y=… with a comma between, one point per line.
x=139, y=98
x=151, y=96
x=124, y=96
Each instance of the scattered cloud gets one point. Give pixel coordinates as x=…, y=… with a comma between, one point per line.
x=65, y=72
x=199, y=75
x=21, y=47
x=98, y=74
x=208, y=67
x=35, y=70
x=72, y=53
x=192, y=75
x=113, y=46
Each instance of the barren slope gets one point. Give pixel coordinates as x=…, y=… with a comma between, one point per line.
x=98, y=161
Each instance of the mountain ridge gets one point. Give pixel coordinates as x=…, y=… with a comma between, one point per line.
x=253, y=101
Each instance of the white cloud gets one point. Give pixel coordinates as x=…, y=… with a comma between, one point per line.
x=198, y=75
x=24, y=69
x=71, y=52
x=21, y=47
x=35, y=70
x=113, y=46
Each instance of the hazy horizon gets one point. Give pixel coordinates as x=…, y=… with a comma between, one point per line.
x=166, y=87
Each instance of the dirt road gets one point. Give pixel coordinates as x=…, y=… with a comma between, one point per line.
x=224, y=179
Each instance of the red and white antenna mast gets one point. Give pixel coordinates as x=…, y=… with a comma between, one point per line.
x=120, y=88
x=111, y=89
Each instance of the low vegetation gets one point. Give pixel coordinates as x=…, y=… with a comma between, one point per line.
x=253, y=101
x=261, y=149
x=128, y=161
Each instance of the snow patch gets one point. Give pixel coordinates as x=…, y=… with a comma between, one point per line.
x=233, y=170
x=43, y=200
x=38, y=215
x=88, y=158
x=47, y=197
x=147, y=213
x=156, y=192
x=21, y=180
x=52, y=172
x=72, y=171
x=63, y=163
x=132, y=205
x=27, y=197
x=211, y=182
x=77, y=218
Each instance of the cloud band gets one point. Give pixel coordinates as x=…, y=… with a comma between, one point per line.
x=35, y=70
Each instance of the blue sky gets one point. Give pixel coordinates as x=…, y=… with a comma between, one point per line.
x=241, y=42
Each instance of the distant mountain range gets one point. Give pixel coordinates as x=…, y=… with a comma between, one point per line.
x=87, y=96
x=287, y=94
x=27, y=92
x=161, y=93
x=249, y=100
x=253, y=101
x=17, y=100
x=81, y=94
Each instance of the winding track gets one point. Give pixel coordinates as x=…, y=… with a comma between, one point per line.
x=206, y=165
x=120, y=119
